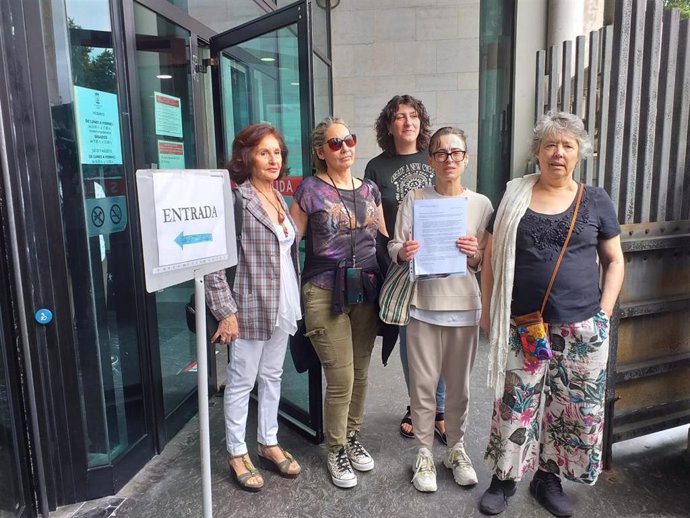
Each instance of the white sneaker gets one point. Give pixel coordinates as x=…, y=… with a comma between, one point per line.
x=340, y=469
x=359, y=457
x=424, y=478
x=459, y=462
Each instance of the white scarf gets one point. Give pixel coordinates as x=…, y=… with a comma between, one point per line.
x=508, y=215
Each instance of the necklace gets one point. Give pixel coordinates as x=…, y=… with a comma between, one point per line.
x=276, y=206
x=349, y=216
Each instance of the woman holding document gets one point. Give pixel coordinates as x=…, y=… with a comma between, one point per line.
x=443, y=331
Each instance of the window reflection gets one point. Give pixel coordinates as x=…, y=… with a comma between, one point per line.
x=9, y=497
x=261, y=84
x=165, y=97
x=93, y=193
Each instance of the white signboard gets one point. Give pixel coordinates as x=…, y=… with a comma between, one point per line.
x=187, y=225
x=190, y=219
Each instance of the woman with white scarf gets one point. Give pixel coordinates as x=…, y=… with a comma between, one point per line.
x=527, y=233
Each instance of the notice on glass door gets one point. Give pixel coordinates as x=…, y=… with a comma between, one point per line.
x=168, y=115
x=98, y=126
x=170, y=154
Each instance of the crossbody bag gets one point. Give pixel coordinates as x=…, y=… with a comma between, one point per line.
x=533, y=331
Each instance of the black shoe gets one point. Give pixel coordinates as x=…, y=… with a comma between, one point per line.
x=495, y=499
x=546, y=488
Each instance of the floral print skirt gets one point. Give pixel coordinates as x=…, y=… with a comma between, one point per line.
x=552, y=412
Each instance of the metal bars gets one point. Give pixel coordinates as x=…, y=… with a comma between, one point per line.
x=632, y=88
x=633, y=92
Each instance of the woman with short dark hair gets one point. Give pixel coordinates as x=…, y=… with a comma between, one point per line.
x=443, y=332
x=403, y=133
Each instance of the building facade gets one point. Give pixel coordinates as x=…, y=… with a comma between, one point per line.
x=96, y=374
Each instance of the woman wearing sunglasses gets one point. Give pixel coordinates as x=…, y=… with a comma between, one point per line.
x=342, y=215
x=443, y=333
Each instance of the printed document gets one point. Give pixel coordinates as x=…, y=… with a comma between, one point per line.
x=437, y=224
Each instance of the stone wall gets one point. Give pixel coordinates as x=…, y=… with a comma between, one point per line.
x=425, y=48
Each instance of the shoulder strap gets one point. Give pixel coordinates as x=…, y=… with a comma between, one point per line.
x=580, y=190
x=237, y=206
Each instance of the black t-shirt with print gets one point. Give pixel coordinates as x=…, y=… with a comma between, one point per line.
x=396, y=176
x=575, y=294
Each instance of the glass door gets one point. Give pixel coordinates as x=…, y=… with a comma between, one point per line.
x=95, y=185
x=264, y=75
x=168, y=141
x=15, y=497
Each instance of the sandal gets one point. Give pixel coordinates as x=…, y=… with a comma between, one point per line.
x=282, y=468
x=440, y=417
x=407, y=419
x=242, y=480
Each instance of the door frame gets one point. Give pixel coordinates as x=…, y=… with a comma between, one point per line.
x=298, y=13
x=164, y=428
x=309, y=424
x=12, y=374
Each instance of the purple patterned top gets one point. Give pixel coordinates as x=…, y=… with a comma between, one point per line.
x=330, y=238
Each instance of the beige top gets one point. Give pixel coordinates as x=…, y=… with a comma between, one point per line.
x=457, y=293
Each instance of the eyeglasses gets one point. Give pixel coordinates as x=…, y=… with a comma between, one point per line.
x=455, y=155
x=336, y=143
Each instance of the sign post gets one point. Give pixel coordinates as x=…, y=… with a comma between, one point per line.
x=188, y=231
x=202, y=392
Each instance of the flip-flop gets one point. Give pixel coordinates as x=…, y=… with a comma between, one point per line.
x=407, y=419
x=440, y=416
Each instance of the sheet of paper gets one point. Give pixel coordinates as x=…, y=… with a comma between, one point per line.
x=98, y=126
x=437, y=224
x=168, y=115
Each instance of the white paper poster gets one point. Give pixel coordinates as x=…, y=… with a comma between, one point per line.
x=190, y=218
x=98, y=126
x=168, y=115
x=438, y=223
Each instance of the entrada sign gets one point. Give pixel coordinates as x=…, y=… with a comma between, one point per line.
x=186, y=218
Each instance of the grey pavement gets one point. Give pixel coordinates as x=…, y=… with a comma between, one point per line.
x=650, y=476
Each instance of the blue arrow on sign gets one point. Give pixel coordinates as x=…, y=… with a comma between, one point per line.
x=192, y=238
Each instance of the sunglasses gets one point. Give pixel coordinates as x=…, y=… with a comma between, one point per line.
x=336, y=143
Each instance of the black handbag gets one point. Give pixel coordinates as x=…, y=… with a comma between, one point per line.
x=190, y=314
x=302, y=351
